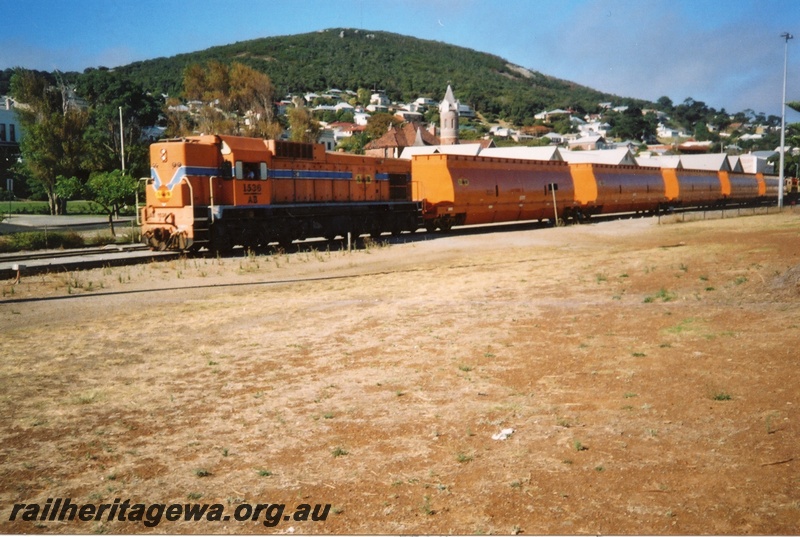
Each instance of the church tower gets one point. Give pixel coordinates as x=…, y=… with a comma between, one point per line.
x=448, y=118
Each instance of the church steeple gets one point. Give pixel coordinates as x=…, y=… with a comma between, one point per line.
x=448, y=118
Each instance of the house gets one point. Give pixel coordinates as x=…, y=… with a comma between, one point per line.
x=425, y=102
x=407, y=115
x=10, y=135
x=10, y=132
x=391, y=144
x=694, y=147
x=361, y=118
x=588, y=143
x=554, y=137
x=464, y=110
x=547, y=116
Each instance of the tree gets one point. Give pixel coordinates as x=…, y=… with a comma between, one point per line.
x=54, y=128
x=108, y=92
x=252, y=95
x=631, y=124
x=68, y=188
x=378, y=124
x=303, y=127
x=237, y=99
x=112, y=189
x=664, y=104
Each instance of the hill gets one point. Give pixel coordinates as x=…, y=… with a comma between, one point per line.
x=404, y=67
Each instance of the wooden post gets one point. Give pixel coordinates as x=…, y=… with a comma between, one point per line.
x=552, y=187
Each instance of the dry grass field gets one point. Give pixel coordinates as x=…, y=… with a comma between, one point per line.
x=649, y=373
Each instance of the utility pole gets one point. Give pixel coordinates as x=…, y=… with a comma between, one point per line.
x=121, y=141
x=781, y=181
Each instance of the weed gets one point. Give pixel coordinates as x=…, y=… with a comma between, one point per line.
x=684, y=326
x=740, y=280
x=639, y=354
x=339, y=452
x=465, y=368
x=722, y=396
x=579, y=446
x=463, y=457
x=264, y=473
x=628, y=395
x=194, y=496
x=426, y=506
x=600, y=278
x=662, y=294
x=202, y=472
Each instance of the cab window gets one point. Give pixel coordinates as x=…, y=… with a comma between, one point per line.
x=251, y=170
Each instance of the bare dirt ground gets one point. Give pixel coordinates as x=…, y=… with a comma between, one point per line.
x=649, y=372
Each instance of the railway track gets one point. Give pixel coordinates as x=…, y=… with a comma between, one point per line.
x=30, y=263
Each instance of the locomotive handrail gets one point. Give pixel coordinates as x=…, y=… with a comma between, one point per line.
x=138, y=221
x=211, y=196
x=191, y=195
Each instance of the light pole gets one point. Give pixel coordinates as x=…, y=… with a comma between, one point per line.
x=122, y=139
x=786, y=36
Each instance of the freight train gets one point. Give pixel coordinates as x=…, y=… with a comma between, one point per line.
x=221, y=191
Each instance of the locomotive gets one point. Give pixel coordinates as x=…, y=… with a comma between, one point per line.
x=222, y=191
x=218, y=191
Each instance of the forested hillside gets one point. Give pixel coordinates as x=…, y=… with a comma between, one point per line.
x=404, y=67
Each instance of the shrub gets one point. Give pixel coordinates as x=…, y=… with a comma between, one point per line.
x=38, y=240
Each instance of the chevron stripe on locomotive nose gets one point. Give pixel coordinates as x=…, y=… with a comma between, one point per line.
x=204, y=171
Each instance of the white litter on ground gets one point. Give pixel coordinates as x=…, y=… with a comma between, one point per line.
x=502, y=435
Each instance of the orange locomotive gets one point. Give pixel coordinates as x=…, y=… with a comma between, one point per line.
x=222, y=191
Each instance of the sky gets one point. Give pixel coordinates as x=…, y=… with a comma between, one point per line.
x=726, y=53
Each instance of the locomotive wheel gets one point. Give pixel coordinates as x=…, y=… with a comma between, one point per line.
x=430, y=227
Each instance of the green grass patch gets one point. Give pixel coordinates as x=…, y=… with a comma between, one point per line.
x=40, y=240
x=663, y=295
x=43, y=207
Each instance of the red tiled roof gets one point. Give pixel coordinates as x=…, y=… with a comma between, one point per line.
x=403, y=137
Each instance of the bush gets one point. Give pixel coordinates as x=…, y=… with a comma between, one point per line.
x=39, y=240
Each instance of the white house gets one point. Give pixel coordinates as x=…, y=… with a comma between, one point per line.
x=10, y=132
